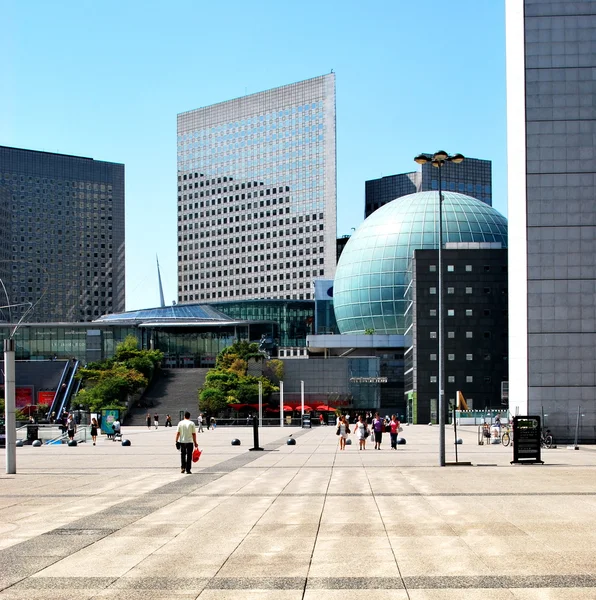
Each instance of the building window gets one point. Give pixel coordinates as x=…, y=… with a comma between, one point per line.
x=469, y=334
x=469, y=312
x=432, y=312
x=451, y=379
x=487, y=379
x=433, y=290
x=469, y=379
x=433, y=379
x=450, y=290
x=468, y=268
x=451, y=312
x=486, y=356
x=432, y=268
x=468, y=290
x=450, y=268
x=469, y=357
x=433, y=357
x=451, y=334
x=451, y=357
x=433, y=335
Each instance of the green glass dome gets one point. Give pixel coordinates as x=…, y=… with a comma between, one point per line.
x=374, y=269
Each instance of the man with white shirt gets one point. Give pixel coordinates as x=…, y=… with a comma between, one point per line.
x=186, y=436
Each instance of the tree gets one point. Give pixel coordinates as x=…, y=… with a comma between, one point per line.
x=212, y=400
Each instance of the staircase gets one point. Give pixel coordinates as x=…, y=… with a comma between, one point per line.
x=171, y=391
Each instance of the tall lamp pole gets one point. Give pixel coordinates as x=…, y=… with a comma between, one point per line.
x=438, y=159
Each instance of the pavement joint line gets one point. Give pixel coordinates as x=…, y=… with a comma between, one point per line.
x=430, y=582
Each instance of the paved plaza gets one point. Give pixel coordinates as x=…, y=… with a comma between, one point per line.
x=296, y=522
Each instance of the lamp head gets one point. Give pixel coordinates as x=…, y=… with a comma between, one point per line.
x=457, y=158
x=422, y=159
x=440, y=155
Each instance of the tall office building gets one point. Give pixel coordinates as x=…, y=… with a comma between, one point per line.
x=473, y=177
x=62, y=245
x=257, y=195
x=551, y=86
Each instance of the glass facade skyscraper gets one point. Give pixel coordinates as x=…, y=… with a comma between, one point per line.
x=473, y=177
x=257, y=195
x=61, y=236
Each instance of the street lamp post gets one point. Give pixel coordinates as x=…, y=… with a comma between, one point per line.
x=438, y=159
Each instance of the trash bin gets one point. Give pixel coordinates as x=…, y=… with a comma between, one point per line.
x=306, y=424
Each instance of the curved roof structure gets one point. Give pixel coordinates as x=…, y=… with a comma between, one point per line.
x=184, y=314
x=374, y=269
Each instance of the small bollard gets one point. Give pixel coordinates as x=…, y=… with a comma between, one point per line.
x=348, y=442
x=401, y=441
x=126, y=442
x=72, y=443
x=291, y=441
x=235, y=442
x=36, y=443
x=459, y=441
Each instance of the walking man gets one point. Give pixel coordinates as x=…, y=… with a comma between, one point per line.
x=200, y=423
x=186, y=435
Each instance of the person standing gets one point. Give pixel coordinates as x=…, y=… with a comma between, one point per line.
x=186, y=436
x=200, y=422
x=321, y=419
x=156, y=420
x=148, y=421
x=71, y=427
x=393, y=431
x=213, y=423
x=94, y=430
x=168, y=421
x=378, y=429
x=361, y=432
x=343, y=430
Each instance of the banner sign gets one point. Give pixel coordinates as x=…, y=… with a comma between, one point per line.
x=108, y=416
x=526, y=440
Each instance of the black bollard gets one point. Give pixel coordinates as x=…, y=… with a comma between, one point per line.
x=255, y=433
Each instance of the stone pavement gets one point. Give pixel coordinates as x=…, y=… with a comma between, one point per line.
x=296, y=522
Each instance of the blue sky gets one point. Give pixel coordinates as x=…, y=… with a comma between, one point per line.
x=106, y=79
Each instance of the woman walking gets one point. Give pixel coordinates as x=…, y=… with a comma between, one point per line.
x=94, y=430
x=378, y=429
x=343, y=429
x=361, y=432
x=148, y=421
x=393, y=431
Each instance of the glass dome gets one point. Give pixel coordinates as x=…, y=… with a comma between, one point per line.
x=374, y=269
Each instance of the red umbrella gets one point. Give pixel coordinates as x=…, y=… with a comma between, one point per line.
x=306, y=408
x=324, y=408
x=287, y=408
x=237, y=406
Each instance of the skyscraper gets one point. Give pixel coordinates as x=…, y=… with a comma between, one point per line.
x=552, y=215
x=257, y=194
x=62, y=243
x=473, y=177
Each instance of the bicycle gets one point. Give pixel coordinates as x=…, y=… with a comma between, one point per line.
x=546, y=439
x=507, y=435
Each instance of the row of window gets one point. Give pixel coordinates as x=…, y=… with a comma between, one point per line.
x=469, y=312
x=468, y=268
x=469, y=290
x=469, y=379
x=469, y=335
x=451, y=357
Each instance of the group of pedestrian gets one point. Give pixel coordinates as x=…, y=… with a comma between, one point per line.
x=155, y=421
x=367, y=425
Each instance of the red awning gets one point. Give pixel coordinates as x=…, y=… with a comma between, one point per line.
x=324, y=407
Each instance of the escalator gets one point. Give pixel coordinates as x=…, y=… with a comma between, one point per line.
x=67, y=388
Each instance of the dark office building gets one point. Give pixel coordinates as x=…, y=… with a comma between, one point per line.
x=472, y=177
x=64, y=240
x=475, y=328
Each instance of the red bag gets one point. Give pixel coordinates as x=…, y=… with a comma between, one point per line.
x=196, y=454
